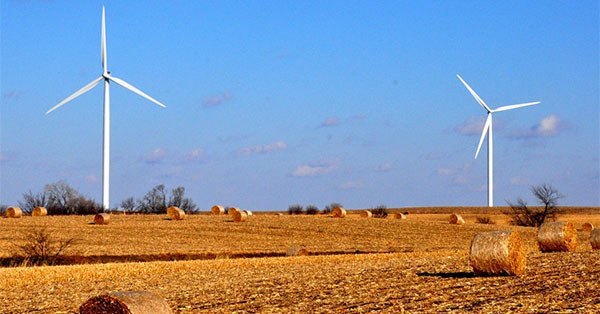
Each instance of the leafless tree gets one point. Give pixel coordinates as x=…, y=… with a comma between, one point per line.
x=548, y=196
x=154, y=201
x=32, y=200
x=178, y=199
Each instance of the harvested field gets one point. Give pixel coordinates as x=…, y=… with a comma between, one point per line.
x=427, y=269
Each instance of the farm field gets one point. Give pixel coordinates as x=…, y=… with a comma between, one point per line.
x=419, y=264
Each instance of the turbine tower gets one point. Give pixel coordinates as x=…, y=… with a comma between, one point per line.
x=487, y=129
x=107, y=78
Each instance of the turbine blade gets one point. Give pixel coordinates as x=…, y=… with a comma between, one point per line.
x=103, y=44
x=77, y=93
x=477, y=98
x=504, y=108
x=135, y=90
x=486, y=127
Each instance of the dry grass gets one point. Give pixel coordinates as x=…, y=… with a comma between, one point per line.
x=428, y=271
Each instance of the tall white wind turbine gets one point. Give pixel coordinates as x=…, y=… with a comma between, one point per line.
x=107, y=78
x=487, y=129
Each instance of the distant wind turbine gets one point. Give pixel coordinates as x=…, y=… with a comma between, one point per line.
x=107, y=78
x=487, y=129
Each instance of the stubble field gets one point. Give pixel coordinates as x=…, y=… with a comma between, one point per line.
x=356, y=265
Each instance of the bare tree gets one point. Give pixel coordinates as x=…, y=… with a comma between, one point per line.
x=31, y=201
x=128, y=204
x=154, y=201
x=548, y=196
x=178, y=199
x=59, y=194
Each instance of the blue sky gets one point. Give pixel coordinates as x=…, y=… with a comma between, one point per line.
x=271, y=103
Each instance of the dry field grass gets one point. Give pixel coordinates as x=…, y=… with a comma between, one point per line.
x=427, y=271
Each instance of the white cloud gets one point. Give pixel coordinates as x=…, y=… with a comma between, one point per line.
x=331, y=121
x=90, y=178
x=155, y=156
x=472, y=126
x=313, y=170
x=195, y=154
x=384, y=167
x=263, y=149
x=549, y=126
x=352, y=185
x=216, y=100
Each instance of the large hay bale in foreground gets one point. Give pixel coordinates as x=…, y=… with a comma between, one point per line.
x=175, y=213
x=366, y=214
x=456, y=219
x=498, y=253
x=13, y=212
x=338, y=212
x=595, y=239
x=217, y=210
x=39, y=211
x=129, y=302
x=239, y=216
x=557, y=236
x=587, y=227
x=398, y=216
x=297, y=251
x=101, y=219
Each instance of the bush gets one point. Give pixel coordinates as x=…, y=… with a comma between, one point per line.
x=486, y=220
x=380, y=211
x=42, y=249
x=296, y=209
x=521, y=215
x=312, y=210
x=330, y=207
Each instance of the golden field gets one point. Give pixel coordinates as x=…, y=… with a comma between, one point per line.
x=416, y=265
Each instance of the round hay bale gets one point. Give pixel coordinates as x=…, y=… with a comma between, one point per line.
x=232, y=210
x=279, y=214
x=498, y=253
x=297, y=251
x=338, y=212
x=366, y=214
x=587, y=227
x=398, y=216
x=456, y=219
x=101, y=219
x=249, y=213
x=557, y=236
x=239, y=216
x=217, y=210
x=595, y=239
x=175, y=213
x=130, y=302
x=39, y=211
x=14, y=212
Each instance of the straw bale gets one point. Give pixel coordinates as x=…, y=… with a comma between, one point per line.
x=398, y=216
x=557, y=236
x=338, y=212
x=249, y=213
x=217, y=210
x=498, y=253
x=296, y=251
x=595, y=239
x=587, y=227
x=39, y=211
x=14, y=212
x=102, y=219
x=239, y=216
x=175, y=213
x=366, y=214
x=232, y=210
x=126, y=302
x=456, y=219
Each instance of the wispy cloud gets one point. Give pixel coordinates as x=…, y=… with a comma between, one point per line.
x=384, y=167
x=90, y=178
x=472, y=126
x=216, y=100
x=314, y=169
x=263, y=149
x=155, y=156
x=331, y=121
x=352, y=185
x=549, y=126
x=195, y=155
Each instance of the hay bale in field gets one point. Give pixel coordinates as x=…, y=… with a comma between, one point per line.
x=557, y=236
x=239, y=216
x=217, y=210
x=595, y=239
x=296, y=251
x=39, y=211
x=126, y=302
x=587, y=227
x=338, y=212
x=232, y=210
x=456, y=219
x=249, y=213
x=14, y=212
x=366, y=214
x=498, y=253
x=101, y=219
x=175, y=213
x=398, y=216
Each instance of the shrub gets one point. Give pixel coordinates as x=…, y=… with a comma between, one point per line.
x=521, y=215
x=312, y=210
x=486, y=220
x=330, y=207
x=42, y=248
x=295, y=209
x=380, y=211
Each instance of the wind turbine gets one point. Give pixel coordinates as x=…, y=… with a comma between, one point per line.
x=487, y=129
x=107, y=78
